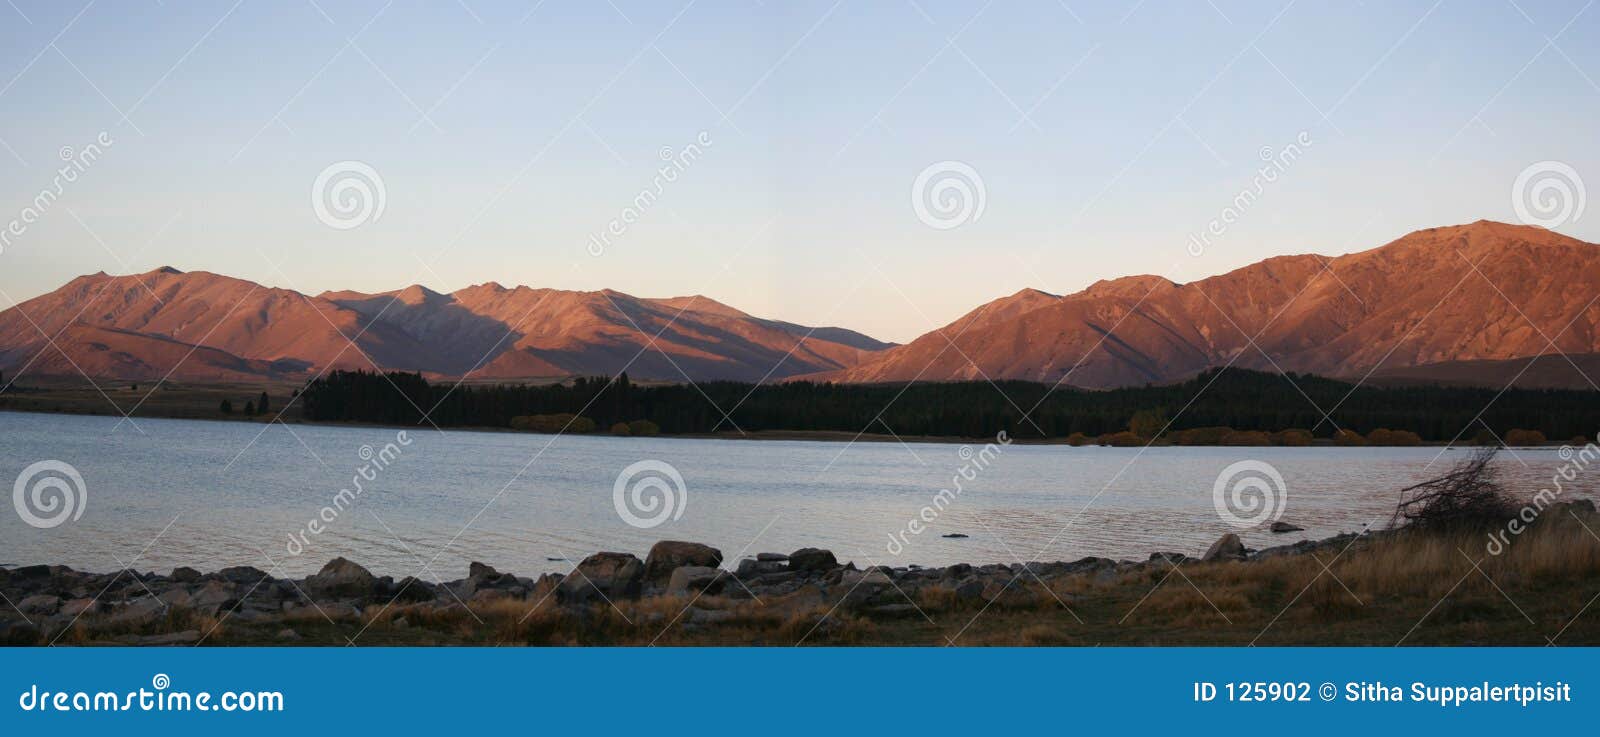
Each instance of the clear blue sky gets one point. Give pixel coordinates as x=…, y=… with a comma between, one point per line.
x=544, y=120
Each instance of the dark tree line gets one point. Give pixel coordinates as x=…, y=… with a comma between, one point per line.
x=1236, y=398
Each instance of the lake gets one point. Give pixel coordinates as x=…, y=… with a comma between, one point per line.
x=214, y=494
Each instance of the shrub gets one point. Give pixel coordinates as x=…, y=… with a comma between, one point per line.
x=644, y=427
x=1147, y=423
x=1520, y=437
x=620, y=428
x=1201, y=436
x=1385, y=436
x=1078, y=439
x=1124, y=439
x=1467, y=498
x=1348, y=438
x=1246, y=437
x=553, y=423
x=1293, y=437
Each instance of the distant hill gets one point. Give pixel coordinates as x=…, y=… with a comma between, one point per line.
x=1483, y=292
x=208, y=327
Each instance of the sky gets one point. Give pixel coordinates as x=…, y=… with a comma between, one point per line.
x=1071, y=141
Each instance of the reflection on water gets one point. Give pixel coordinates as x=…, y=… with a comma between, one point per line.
x=213, y=494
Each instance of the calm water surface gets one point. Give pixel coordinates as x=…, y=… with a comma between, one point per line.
x=213, y=494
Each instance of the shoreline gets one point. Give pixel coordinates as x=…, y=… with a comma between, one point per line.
x=839, y=436
x=686, y=593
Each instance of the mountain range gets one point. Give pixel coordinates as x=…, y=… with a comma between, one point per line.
x=1482, y=303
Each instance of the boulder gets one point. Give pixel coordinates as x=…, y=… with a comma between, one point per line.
x=341, y=577
x=861, y=588
x=214, y=597
x=412, y=589
x=610, y=575
x=696, y=580
x=77, y=607
x=185, y=574
x=1227, y=547
x=176, y=596
x=39, y=604
x=969, y=590
x=772, y=557
x=812, y=559
x=750, y=568
x=1281, y=526
x=139, y=613
x=18, y=632
x=246, y=575
x=669, y=555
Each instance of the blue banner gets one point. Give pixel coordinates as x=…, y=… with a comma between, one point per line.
x=794, y=691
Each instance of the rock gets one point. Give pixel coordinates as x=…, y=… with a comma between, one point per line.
x=1227, y=547
x=78, y=607
x=751, y=568
x=696, y=580
x=176, y=596
x=18, y=632
x=772, y=557
x=669, y=555
x=481, y=571
x=245, y=575
x=812, y=559
x=212, y=598
x=970, y=589
x=862, y=588
x=332, y=610
x=185, y=574
x=609, y=575
x=26, y=572
x=411, y=589
x=139, y=613
x=341, y=577
x=1173, y=558
x=1568, y=509
x=1281, y=526
x=489, y=596
x=39, y=604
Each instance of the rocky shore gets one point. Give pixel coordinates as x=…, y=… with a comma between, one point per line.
x=55, y=604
